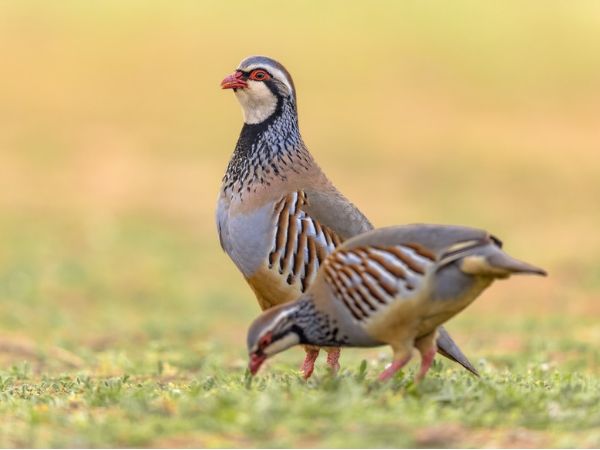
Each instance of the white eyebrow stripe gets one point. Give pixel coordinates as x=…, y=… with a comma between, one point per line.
x=273, y=71
x=282, y=315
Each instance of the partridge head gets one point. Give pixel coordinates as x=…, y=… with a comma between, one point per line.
x=261, y=85
x=393, y=286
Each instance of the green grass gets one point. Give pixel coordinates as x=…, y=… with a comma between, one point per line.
x=213, y=407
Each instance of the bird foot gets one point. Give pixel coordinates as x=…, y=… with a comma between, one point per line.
x=309, y=363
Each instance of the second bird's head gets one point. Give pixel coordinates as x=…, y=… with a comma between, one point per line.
x=274, y=331
x=261, y=85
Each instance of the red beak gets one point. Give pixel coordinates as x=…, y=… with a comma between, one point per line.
x=234, y=81
x=255, y=362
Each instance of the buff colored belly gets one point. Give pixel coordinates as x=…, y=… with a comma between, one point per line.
x=271, y=288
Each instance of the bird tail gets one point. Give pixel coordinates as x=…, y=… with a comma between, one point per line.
x=448, y=348
x=501, y=260
x=488, y=260
x=498, y=264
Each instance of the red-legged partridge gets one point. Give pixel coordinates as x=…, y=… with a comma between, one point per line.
x=278, y=215
x=392, y=286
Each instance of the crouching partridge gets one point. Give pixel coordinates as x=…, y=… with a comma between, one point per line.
x=392, y=286
x=278, y=216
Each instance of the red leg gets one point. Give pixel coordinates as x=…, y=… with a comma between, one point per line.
x=393, y=368
x=427, y=348
x=426, y=362
x=309, y=362
x=333, y=356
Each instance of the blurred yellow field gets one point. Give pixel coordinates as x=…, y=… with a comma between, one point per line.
x=115, y=134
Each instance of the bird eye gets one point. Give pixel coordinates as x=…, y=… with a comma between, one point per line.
x=259, y=75
x=264, y=340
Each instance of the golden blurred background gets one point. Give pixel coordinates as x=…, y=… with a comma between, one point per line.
x=114, y=136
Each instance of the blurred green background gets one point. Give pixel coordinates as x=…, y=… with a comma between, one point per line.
x=114, y=136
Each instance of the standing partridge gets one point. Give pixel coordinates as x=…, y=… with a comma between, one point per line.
x=392, y=286
x=278, y=216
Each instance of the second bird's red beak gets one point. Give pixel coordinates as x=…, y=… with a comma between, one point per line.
x=234, y=81
x=255, y=362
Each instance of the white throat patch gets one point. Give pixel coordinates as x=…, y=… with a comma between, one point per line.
x=257, y=100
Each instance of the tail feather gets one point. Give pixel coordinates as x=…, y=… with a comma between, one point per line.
x=448, y=348
x=497, y=264
x=503, y=261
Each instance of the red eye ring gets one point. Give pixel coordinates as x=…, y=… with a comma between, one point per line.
x=259, y=75
x=265, y=340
